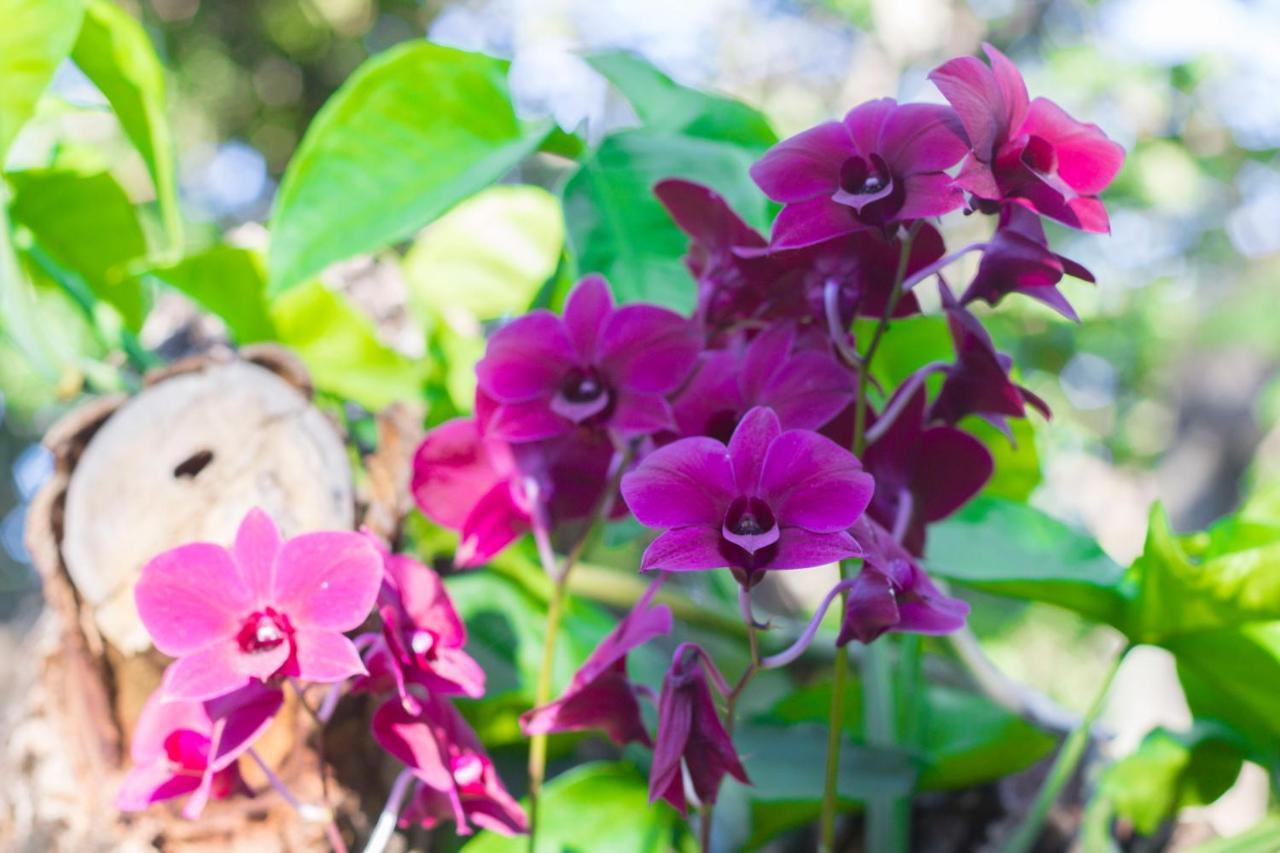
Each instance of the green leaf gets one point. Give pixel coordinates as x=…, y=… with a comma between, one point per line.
x=1263, y=838
x=229, y=282
x=339, y=346
x=35, y=36
x=1168, y=772
x=489, y=255
x=87, y=225
x=19, y=310
x=781, y=763
x=114, y=52
x=597, y=806
x=1011, y=549
x=969, y=740
x=663, y=104
x=413, y=132
x=617, y=227
x=1017, y=463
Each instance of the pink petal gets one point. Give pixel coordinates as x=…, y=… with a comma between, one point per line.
x=211, y=672
x=451, y=471
x=410, y=739
x=922, y=138
x=425, y=599
x=805, y=165
x=971, y=88
x=866, y=122
x=1087, y=159
x=247, y=713
x=638, y=413
x=929, y=194
x=757, y=430
x=585, y=312
x=704, y=215
x=493, y=524
x=326, y=580
x=527, y=420
x=687, y=482
x=160, y=718
x=810, y=481
x=805, y=223
x=1011, y=86
x=257, y=541
x=684, y=549
x=192, y=596
x=526, y=358
x=326, y=657
x=152, y=783
x=800, y=549
x=647, y=348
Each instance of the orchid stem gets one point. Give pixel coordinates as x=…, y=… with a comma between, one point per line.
x=798, y=648
x=386, y=825
x=887, y=821
x=938, y=265
x=307, y=811
x=1064, y=766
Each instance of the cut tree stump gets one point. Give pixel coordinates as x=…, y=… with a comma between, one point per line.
x=204, y=441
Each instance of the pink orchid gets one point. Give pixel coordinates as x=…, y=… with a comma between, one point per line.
x=185, y=747
x=259, y=610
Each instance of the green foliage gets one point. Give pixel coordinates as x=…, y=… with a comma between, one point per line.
x=35, y=37
x=114, y=52
x=616, y=225
x=229, y=282
x=85, y=225
x=411, y=133
x=1017, y=462
x=968, y=740
x=597, y=806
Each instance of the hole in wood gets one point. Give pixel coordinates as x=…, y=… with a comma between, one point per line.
x=193, y=465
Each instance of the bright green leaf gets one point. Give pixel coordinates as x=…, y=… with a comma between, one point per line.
x=19, y=314
x=1263, y=838
x=229, y=282
x=1017, y=463
x=617, y=227
x=411, y=133
x=88, y=226
x=489, y=255
x=339, y=346
x=35, y=36
x=663, y=104
x=1011, y=549
x=115, y=53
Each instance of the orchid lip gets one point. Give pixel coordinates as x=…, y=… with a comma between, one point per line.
x=263, y=631
x=750, y=524
x=584, y=394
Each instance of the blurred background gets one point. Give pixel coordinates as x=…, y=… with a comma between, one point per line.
x=1167, y=391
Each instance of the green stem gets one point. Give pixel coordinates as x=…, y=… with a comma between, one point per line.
x=1064, y=766
x=887, y=818
x=542, y=695
x=835, y=726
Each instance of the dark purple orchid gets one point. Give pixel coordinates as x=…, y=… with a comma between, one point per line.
x=456, y=779
x=600, y=696
x=422, y=637
x=883, y=164
x=978, y=383
x=1029, y=153
x=892, y=593
x=805, y=388
x=1017, y=259
x=691, y=736
x=597, y=366
x=769, y=500
x=922, y=473
x=184, y=747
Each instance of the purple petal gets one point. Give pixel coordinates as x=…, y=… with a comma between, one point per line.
x=747, y=447
x=451, y=472
x=951, y=467
x=647, y=348
x=704, y=215
x=211, y=672
x=805, y=165
x=607, y=703
x=764, y=357
x=687, y=482
x=810, y=481
x=425, y=600
x=870, y=609
x=685, y=549
x=922, y=138
x=327, y=580
x=639, y=413
x=866, y=122
x=192, y=596
x=712, y=392
x=246, y=715
x=256, y=545
x=325, y=657
x=800, y=549
x=805, y=223
x=808, y=391
x=1009, y=83
x=929, y=194
x=160, y=718
x=527, y=420
x=585, y=312
x=528, y=357
x=1087, y=159
x=637, y=628
x=493, y=523
x=409, y=738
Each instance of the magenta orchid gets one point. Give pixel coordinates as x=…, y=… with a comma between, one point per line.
x=884, y=163
x=768, y=500
x=600, y=696
x=261, y=610
x=456, y=779
x=597, y=366
x=1031, y=153
x=182, y=748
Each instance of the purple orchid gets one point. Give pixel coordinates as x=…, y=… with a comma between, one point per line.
x=600, y=696
x=1018, y=260
x=183, y=747
x=422, y=637
x=1033, y=153
x=769, y=500
x=456, y=779
x=978, y=383
x=261, y=610
x=922, y=473
x=892, y=593
x=691, y=736
x=885, y=163
x=804, y=388
x=598, y=366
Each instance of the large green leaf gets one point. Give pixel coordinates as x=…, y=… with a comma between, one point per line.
x=1012, y=549
x=88, y=227
x=617, y=227
x=663, y=104
x=780, y=760
x=414, y=131
x=1017, y=463
x=114, y=52
x=35, y=35
x=339, y=346
x=19, y=311
x=1263, y=838
x=229, y=282
x=489, y=255
x=969, y=740
x=597, y=806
